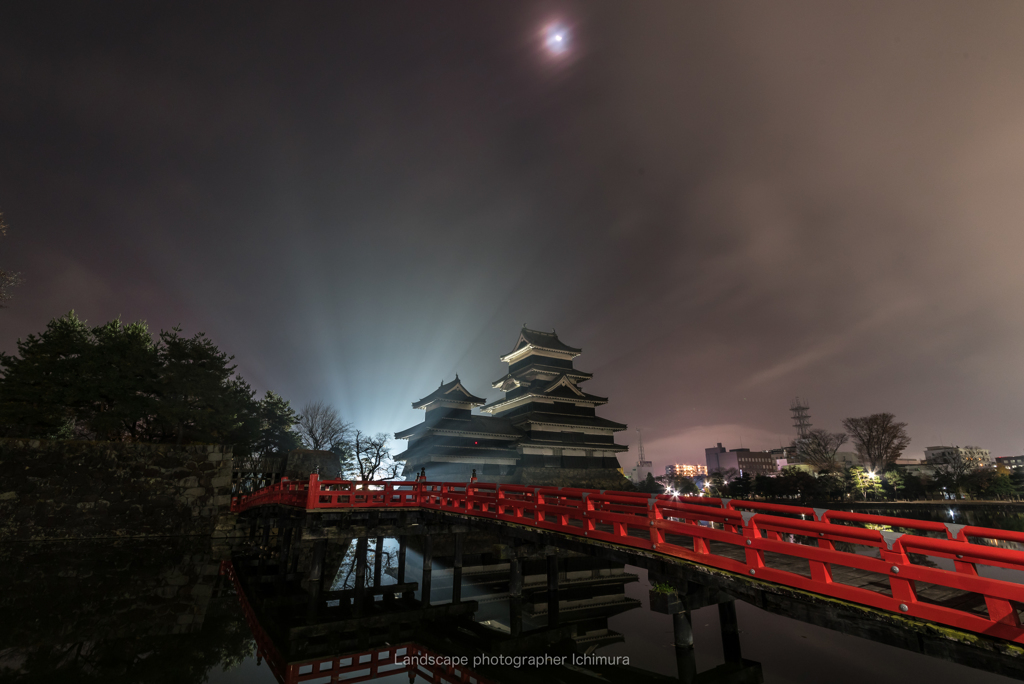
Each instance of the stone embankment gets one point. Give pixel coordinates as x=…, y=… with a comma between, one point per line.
x=77, y=490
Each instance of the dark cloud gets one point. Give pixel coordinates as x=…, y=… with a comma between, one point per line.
x=725, y=205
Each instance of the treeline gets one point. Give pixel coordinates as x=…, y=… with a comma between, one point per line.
x=879, y=440
x=117, y=382
x=852, y=484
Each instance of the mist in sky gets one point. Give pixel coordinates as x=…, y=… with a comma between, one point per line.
x=726, y=205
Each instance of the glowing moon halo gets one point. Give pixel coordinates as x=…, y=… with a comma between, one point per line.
x=556, y=39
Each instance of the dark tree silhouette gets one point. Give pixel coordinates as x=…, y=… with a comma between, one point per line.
x=371, y=457
x=819, y=448
x=955, y=469
x=8, y=279
x=321, y=428
x=878, y=438
x=115, y=383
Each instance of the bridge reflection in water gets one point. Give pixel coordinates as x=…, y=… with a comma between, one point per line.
x=352, y=609
x=930, y=587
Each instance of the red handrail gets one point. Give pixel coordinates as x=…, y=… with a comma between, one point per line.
x=646, y=521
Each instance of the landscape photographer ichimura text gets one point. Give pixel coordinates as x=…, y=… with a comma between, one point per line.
x=543, y=660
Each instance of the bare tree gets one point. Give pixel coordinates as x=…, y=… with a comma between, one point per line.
x=878, y=438
x=371, y=457
x=956, y=467
x=321, y=428
x=819, y=448
x=8, y=279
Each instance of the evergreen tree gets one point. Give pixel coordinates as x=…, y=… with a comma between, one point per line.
x=893, y=482
x=1001, y=487
x=742, y=486
x=117, y=389
x=200, y=399
x=1017, y=480
x=276, y=421
x=41, y=388
x=114, y=382
x=650, y=486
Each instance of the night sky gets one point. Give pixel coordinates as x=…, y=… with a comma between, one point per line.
x=726, y=205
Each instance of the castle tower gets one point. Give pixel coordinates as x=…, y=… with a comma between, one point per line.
x=564, y=440
x=544, y=431
x=451, y=442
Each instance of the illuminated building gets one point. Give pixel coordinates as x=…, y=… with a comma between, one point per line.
x=945, y=454
x=1010, y=461
x=741, y=460
x=544, y=430
x=685, y=470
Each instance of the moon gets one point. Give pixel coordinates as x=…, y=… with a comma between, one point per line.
x=556, y=39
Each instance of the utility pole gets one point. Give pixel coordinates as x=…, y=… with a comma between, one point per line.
x=801, y=417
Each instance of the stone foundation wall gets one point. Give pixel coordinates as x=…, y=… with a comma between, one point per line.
x=588, y=478
x=80, y=490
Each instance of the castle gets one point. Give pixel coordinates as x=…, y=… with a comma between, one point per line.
x=544, y=431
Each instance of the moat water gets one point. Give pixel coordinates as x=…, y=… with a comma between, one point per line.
x=165, y=611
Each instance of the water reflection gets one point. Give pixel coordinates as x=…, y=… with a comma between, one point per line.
x=486, y=616
x=115, y=612
x=161, y=611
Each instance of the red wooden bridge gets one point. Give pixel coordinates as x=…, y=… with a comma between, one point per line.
x=939, y=572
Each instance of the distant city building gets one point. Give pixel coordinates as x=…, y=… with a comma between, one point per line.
x=783, y=463
x=1010, y=461
x=917, y=468
x=943, y=454
x=743, y=460
x=685, y=470
x=639, y=472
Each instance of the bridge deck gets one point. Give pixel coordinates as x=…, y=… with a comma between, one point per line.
x=919, y=569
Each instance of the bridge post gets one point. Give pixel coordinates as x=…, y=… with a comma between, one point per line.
x=378, y=561
x=686, y=664
x=457, y=569
x=265, y=541
x=402, y=545
x=360, y=584
x=316, y=563
x=730, y=631
x=296, y=538
x=682, y=629
x=428, y=559
x=515, y=593
x=316, y=569
x=313, y=491
x=552, y=590
x=284, y=551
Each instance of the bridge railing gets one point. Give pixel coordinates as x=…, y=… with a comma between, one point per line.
x=285, y=493
x=811, y=549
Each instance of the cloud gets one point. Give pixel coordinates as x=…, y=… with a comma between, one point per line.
x=724, y=208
